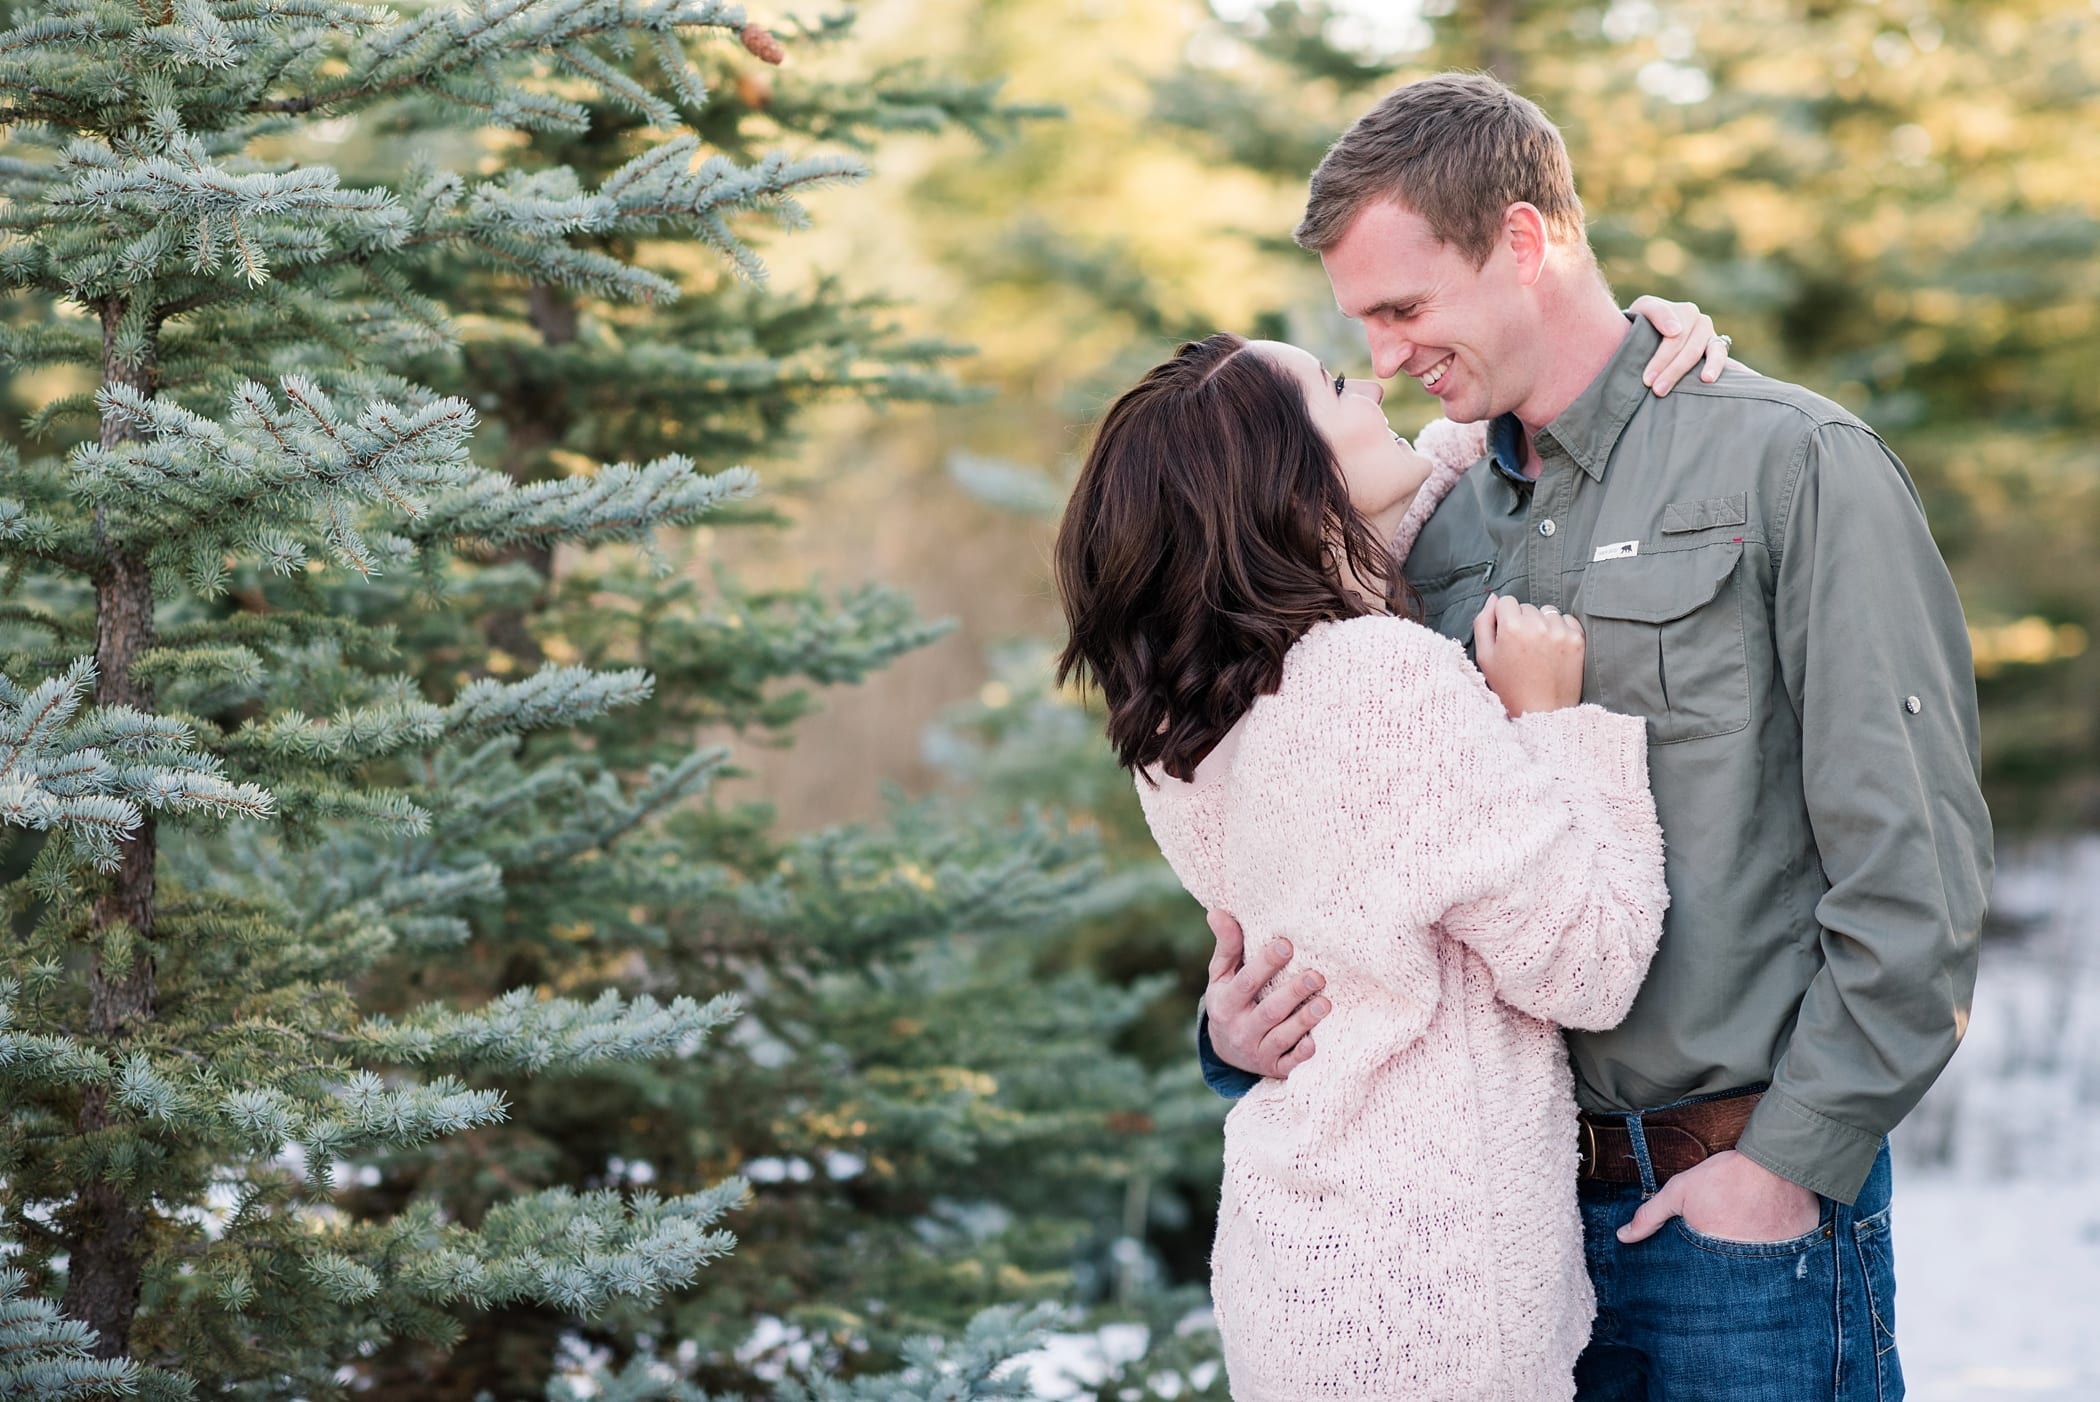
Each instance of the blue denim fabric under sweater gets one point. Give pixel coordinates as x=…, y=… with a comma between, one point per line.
x=1684, y=1317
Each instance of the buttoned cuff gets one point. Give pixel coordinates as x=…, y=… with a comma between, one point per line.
x=1805, y=1146
x=1601, y=749
x=1228, y=1081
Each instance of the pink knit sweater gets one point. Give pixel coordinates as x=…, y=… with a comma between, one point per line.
x=1399, y=1218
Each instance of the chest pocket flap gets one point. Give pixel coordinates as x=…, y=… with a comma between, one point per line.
x=1681, y=516
x=1658, y=588
x=1667, y=642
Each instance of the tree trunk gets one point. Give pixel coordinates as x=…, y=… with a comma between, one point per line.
x=107, y=1254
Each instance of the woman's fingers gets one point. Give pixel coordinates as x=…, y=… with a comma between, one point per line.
x=1679, y=323
x=1680, y=354
x=1562, y=624
x=1661, y=314
x=1484, y=626
x=1716, y=360
x=1531, y=622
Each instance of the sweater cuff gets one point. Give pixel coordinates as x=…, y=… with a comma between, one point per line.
x=1609, y=751
x=1805, y=1146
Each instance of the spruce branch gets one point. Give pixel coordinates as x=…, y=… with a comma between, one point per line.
x=552, y=696
x=36, y=1059
x=439, y=52
x=46, y=1357
x=520, y=1032
x=579, y=1252
x=56, y=771
x=352, y=736
x=620, y=502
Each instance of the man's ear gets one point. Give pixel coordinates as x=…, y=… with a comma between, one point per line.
x=1524, y=231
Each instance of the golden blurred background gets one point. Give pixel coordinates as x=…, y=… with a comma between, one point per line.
x=1893, y=203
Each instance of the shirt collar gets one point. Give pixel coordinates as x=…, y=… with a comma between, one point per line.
x=1587, y=430
x=1506, y=450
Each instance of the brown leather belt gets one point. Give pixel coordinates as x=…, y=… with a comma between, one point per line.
x=1677, y=1138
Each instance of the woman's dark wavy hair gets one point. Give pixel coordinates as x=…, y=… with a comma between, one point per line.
x=1208, y=531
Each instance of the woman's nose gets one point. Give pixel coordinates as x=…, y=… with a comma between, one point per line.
x=1367, y=386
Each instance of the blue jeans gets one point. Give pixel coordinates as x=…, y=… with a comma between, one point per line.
x=1684, y=1317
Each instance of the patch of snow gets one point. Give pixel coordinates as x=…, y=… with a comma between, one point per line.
x=1997, y=1198
x=1996, y=1290
x=1068, y=1364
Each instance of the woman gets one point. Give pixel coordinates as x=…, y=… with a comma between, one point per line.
x=1470, y=856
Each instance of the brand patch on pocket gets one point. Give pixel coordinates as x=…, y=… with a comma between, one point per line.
x=1618, y=551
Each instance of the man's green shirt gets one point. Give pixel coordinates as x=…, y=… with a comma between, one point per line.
x=1755, y=577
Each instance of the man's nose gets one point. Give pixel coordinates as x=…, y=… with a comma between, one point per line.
x=1389, y=352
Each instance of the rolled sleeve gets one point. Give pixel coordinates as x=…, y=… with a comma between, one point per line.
x=1874, y=653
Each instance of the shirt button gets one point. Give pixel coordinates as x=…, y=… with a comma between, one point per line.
x=1913, y=704
x=1545, y=528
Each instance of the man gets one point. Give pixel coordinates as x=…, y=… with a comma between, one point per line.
x=1755, y=577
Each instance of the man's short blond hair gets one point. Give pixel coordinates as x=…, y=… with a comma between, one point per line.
x=1458, y=149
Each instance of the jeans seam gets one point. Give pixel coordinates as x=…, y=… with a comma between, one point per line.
x=1837, y=1301
x=1884, y=1334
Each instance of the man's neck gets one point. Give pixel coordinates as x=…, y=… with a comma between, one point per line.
x=1587, y=328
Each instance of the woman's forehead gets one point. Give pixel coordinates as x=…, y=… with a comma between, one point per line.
x=1295, y=359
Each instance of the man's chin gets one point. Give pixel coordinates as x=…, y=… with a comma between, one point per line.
x=1460, y=409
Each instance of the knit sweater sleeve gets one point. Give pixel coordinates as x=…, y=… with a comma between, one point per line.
x=1569, y=930
x=1540, y=848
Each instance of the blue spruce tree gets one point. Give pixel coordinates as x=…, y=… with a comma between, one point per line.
x=368, y=911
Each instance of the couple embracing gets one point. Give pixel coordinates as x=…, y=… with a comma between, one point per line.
x=1568, y=983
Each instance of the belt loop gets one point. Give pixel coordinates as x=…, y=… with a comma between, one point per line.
x=1639, y=1137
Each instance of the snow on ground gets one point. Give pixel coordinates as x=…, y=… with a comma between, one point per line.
x=1998, y=1292
x=1997, y=1216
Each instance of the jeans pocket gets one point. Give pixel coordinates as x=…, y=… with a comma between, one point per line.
x=1877, y=1270
x=1821, y=1234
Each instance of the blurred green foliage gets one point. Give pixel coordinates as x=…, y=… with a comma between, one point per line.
x=1892, y=203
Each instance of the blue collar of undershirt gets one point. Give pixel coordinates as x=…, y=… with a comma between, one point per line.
x=1506, y=447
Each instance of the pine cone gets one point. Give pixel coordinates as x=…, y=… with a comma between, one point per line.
x=760, y=42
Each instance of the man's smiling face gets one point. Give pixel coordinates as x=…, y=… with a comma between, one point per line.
x=1427, y=312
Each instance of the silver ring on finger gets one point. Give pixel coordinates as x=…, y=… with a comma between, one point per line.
x=1724, y=341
